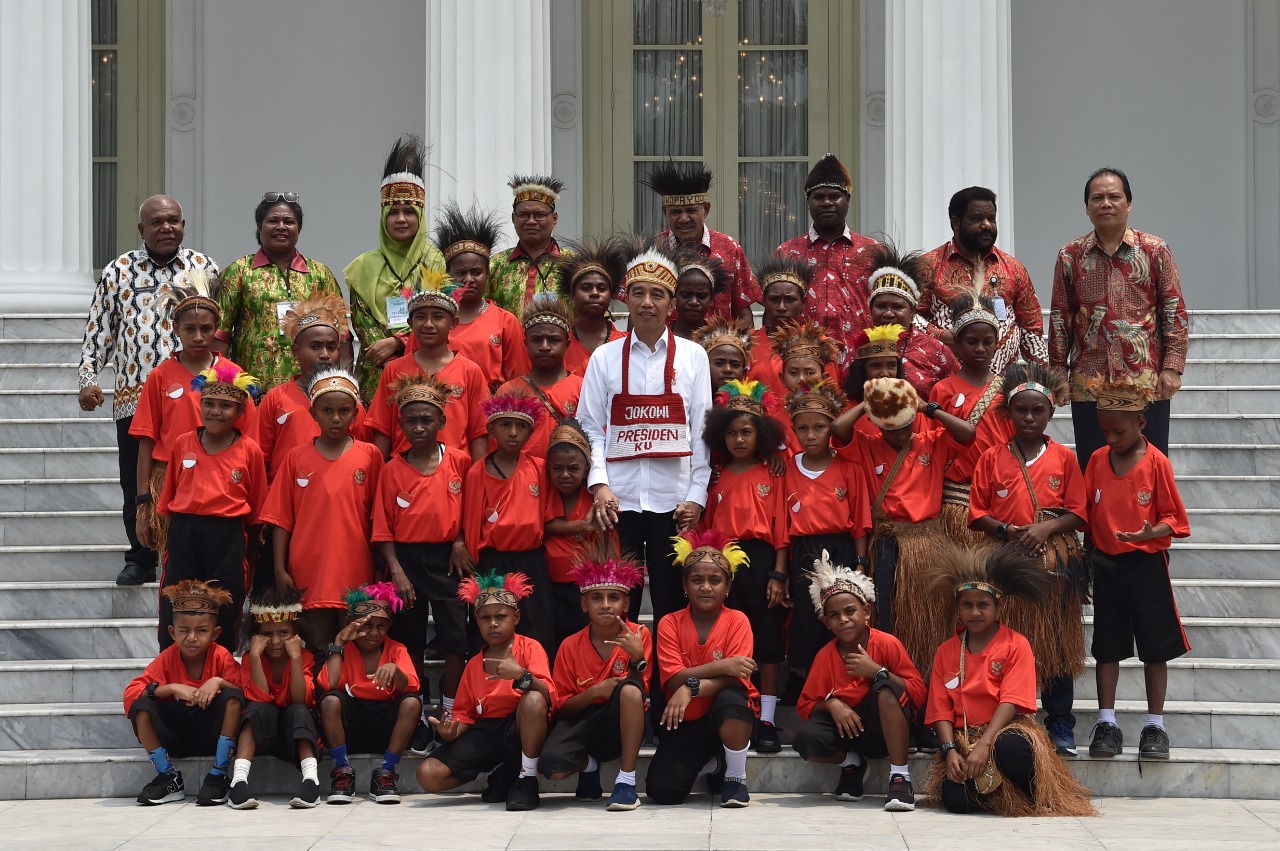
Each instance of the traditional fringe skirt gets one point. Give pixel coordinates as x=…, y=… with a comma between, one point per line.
x=955, y=517
x=1056, y=791
x=158, y=522
x=900, y=552
x=1055, y=631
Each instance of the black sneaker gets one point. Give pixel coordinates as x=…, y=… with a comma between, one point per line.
x=715, y=780
x=589, y=788
x=382, y=786
x=135, y=574
x=1153, y=743
x=900, y=798
x=342, y=786
x=1107, y=740
x=851, y=779
x=500, y=780
x=308, y=795
x=734, y=794
x=240, y=798
x=214, y=790
x=423, y=739
x=767, y=740
x=523, y=795
x=1063, y=737
x=165, y=788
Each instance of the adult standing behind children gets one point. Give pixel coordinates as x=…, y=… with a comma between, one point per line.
x=1117, y=312
x=132, y=330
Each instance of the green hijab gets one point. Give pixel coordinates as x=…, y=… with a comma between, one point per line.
x=376, y=275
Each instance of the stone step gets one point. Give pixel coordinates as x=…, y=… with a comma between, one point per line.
x=73, y=680
x=1235, y=526
x=1190, y=559
x=1219, y=680
x=77, y=638
x=44, y=527
x=96, y=462
x=53, y=600
x=1213, y=346
x=94, y=430
x=1191, y=724
x=52, y=403
x=1227, y=397
x=1234, y=323
x=59, y=494
x=43, y=326
x=1194, y=428
x=66, y=563
x=40, y=376
x=40, y=350
x=1219, y=459
x=1226, y=638
x=1228, y=598
x=1253, y=370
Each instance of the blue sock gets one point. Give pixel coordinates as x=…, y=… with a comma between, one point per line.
x=390, y=760
x=160, y=759
x=222, y=759
x=338, y=753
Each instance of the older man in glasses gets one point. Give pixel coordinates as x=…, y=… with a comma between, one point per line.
x=531, y=267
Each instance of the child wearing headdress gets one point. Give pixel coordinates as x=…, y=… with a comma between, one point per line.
x=503, y=505
x=862, y=689
x=504, y=702
x=602, y=676
x=747, y=501
x=187, y=701
x=280, y=692
x=547, y=325
x=589, y=276
x=433, y=315
x=895, y=293
x=369, y=695
x=417, y=528
x=321, y=505
x=784, y=294
x=167, y=407
x=702, y=280
x=1135, y=512
x=705, y=662
x=804, y=355
x=213, y=497
x=729, y=347
x=982, y=694
x=1030, y=491
x=875, y=354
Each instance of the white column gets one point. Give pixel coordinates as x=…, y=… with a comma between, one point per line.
x=949, y=123
x=488, y=98
x=45, y=164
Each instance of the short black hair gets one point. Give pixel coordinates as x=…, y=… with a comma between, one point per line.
x=1106, y=169
x=960, y=201
x=769, y=434
x=857, y=377
x=260, y=215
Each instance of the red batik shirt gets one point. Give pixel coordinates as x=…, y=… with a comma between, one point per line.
x=741, y=290
x=1120, y=316
x=839, y=296
x=926, y=361
x=1000, y=276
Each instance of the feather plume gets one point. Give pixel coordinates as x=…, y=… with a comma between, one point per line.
x=672, y=178
x=454, y=226
x=482, y=585
x=515, y=405
x=710, y=540
x=778, y=270
x=747, y=395
x=823, y=396
x=1002, y=571
x=803, y=340
x=599, y=565
x=548, y=309
x=199, y=590
x=827, y=579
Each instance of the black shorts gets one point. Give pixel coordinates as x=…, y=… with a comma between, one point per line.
x=427, y=567
x=748, y=594
x=819, y=737
x=1133, y=603
x=186, y=730
x=535, y=610
x=277, y=731
x=597, y=732
x=367, y=724
x=566, y=613
x=485, y=745
x=682, y=752
x=806, y=633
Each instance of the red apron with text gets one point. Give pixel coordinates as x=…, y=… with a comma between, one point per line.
x=642, y=426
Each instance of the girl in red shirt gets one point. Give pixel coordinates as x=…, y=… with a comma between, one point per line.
x=806, y=355
x=982, y=695
x=729, y=346
x=784, y=282
x=701, y=280
x=748, y=502
x=590, y=273
x=547, y=323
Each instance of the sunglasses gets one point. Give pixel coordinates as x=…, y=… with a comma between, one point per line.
x=287, y=197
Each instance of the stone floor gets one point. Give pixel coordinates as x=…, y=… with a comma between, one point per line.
x=772, y=821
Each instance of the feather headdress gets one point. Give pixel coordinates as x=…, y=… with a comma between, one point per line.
x=692, y=547
x=879, y=341
x=606, y=257
x=896, y=273
x=690, y=260
x=722, y=332
x=199, y=290
x=822, y=397
x=493, y=587
x=320, y=310
x=192, y=596
x=1119, y=395
x=653, y=266
x=967, y=309
x=601, y=566
x=408, y=389
x=434, y=288
x=828, y=172
x=474, y=231
x=793, y=340
x=569, y=432
x=402, y=175
x=679, y=184
x=1020, y=376
x=1002, y=572
x=827, y=579
x=225, y=380
x=784, y=270
x=749, y=396
x=272, y=606
x=332, y=379
x=547, y=309
x=535, y=187
x=374, y=598
x=514, y=406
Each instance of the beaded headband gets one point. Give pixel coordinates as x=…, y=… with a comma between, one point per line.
x=567, y=435
x=372, y=599
x=587, y=269
x=783, y=278
x=225, y=380
x=403, y=188
x=1031, y=385
x=827, y=580
x=334, y=380
x=464, y=246
x=319, y=311
x=276, y=614
x=514, y=406
x=685, y=200
x=879, y=341
x=711, y=546
x=893, y=280
x=435, y=290
x=652, y=267
x=823, y=397
x=978, y=314
x=979, y=586
x=419, y=388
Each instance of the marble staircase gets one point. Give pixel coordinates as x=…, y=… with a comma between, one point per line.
x=70, y=638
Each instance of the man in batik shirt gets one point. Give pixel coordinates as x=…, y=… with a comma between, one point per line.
x=518, y=274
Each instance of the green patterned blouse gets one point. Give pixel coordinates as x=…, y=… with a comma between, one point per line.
x=510, y=272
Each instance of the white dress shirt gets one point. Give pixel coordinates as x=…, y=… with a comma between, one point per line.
x=648, y=484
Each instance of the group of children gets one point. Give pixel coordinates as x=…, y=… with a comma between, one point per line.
x=474, y=509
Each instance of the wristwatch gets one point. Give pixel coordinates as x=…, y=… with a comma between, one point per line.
x=142, y=499
x=335, y=649
x=880, y=675
x=1002, y=531
x=931, y=409
x=694, y=684
x=150, y=690
x=862, y=561
x=639, y=665
x=945, y=748
x=525, y=682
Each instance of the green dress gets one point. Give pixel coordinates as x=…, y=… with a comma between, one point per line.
x=252, y=289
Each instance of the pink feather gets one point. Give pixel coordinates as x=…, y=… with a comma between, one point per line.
x=614, y=571
x=385, y=592
x=706, y=538
x=514, y=403
x=517, y=584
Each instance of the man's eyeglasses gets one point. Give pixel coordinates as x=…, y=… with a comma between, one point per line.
x=287, y=197
x=531, y=216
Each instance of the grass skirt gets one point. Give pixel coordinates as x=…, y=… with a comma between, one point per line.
x=955, y=517
x=1055, y=631
x=158, y=522
x=904, y=550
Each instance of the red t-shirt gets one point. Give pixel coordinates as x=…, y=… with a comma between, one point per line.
x=563, y=396
x=1004, y=672
x=414, y=508
x=563, y=550
x=493, y=341
x=231, y=483
x=326, y=506
x=958, y=398
x=168, y=408
x=834, y=502
x=679, y=648
x=576, y=355
x=169, y=669
x=579, y=666
x=463, y=420
x=766, y=365
x=279, y=691
x=505, y=514
x=480, y=697
x=359, y=683
x=285, y=421
x=916, y=493
x=1148, y=492
x=999, y=489
x=828, y=677
x=749, y=505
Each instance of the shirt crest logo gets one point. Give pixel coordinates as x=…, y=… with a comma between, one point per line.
x=997, y=668
x=534, y=490
x=569, y=408
x=925, y=460
x=619, y=666
x=495, y=340
x=717, y=654
x=1055, y=482
x=455, y=486
x=236, y=475
x=455, y=391
x=359, y=476
x=841, y=493
x=763, y=490
x=1144, y=497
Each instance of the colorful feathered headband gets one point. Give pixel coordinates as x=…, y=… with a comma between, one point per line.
x=434, y=288
x=225, y=380
x=792, y=340
x=374, y=598
x=721, y=332
x=709, y=545
x=483, y=589
x=533, y=187
x=751, y=397
x=333, y=379
x=547, y=309
x=515, y=406
x=319, y=311
x=200, y=290
x=880, y=341
x=1119, y=395
x=417, y=387
x=193, y=597
x=272, y=606
x=827, y=579
x=822, y=397
x=600, y=566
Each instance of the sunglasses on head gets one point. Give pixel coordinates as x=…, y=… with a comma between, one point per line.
x=287, y=197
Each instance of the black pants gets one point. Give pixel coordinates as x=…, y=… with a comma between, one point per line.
x=806, y=634
x=566, y=614
x=210, y=549
x=535, y=610
x=427, y=568
x=682, y=752
x=1057, y=698
x=128, y=456
x=1084, y=420
x=596, y=731
x=647, y=535
x=186, y=730
x=277, y=731
x=818, y=737
x=749, y=594
x=1014, y=759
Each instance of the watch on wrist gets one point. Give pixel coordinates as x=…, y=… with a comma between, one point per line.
x=1002, y=531
x=945, y=748
x=639, y=665
x=694, y=684
x=931, y=409
x=525, y=682
x=150, y=690
x=335, y=649
x=142, y=499
x=862, y=561
x=880, y=675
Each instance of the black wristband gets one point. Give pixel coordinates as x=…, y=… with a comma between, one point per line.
x=151, y=690
x=931, y=409
x=142, y=499
x=862, y=560
x=335, y=649
x=778, y=575
x=945, y=748
x=525, y=682
x=1002, y=531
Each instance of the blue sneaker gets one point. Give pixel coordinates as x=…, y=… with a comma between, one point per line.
x=734, y=794
x=1064, y=738
x=589, y=786
x=623, y=799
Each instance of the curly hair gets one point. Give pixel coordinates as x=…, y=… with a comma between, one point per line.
x=857, y=378
x=1021, y=372
x=769, y=434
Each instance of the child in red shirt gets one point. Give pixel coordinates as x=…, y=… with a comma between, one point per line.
x=701, y=280
x=729, y=346
x=187, y=702
x=213, y=496
x=547, y=321
x=370, y=700
x=280, y=693
x=861, y=691
x=876, y=354
x=321, y=504
x=1135, y=511
x=589, y=276
x=748, y=502
x=784, y=296
x=504, y=701
x=705, y=665
x=805, y=355
x=602, y=676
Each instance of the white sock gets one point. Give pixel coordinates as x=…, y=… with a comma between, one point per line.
x=592, y=765
x=850, y=759
x=899, y=769
x=709, y=767
x=309, y=769
x=528, y=765
x=735, y=764
x=1157, y=720
x=1106, y=716
x=240, y=772
x=448, y=706
x=625, y=777
x=768, y=706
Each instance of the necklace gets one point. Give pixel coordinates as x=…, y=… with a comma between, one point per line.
x=493, y=462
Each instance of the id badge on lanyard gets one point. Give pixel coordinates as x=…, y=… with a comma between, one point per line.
x=397, y=311
x=283, y=307
x=648, y=426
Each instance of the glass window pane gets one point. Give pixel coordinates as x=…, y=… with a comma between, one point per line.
x=668, y=22
x=773, y=22
x=104, y=214
x=668, y=103
x=773, y=103
x=103, y=21
x=104, y=103
x=647, y=215
x=771, y=206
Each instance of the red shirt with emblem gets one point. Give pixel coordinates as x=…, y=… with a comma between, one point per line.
x=1004, y=672
x=563, y=550
x=169, y=669
x=327, y=507
x=480, y=697
x=561, y=401
x=1147, y=493
x=230, y=483
x=749, y=505
x=828, y=678
x=279, y=691
x=168, y=408
x=835, y=501
x=579, y=667
x=493, y=341
x=958, y=398
x=680, y=648
x=285, y=421
x=358, y=682
x=463, y=420
x=505, y=514
x=839, y=296
x=916, y=492
x=1000, y=490
x=417, y=508
x=576, y=355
